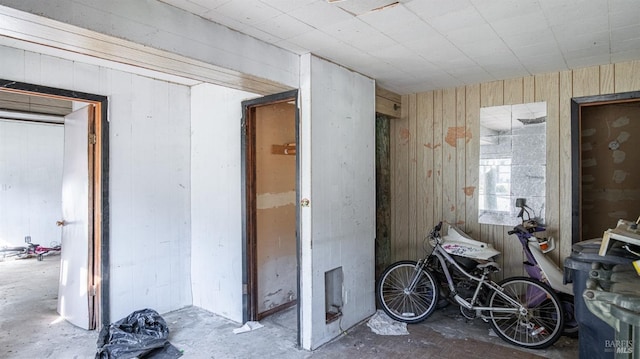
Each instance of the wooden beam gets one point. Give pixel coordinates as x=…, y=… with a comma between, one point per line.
x=387, y=102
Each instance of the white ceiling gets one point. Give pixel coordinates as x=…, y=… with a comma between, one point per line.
x=412, y=46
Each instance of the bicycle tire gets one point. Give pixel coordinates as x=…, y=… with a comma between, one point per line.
x=571, y=327
x=401, y=304
x=543, y=323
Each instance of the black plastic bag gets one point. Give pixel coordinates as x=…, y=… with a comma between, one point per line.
x=141, y=334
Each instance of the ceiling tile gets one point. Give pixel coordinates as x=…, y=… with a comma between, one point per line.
x=633, y=54
x=473, y=34
x=352, y=30
x=544, y=63
x=533, y=24
x=187, y=5
x=624, y=46
x=210, y=4
x=586, y=61
x=287, y=45
x=373, y=43
x=248, y=11
x=625, y=33
x=498, y=9
x=287, y=6
x=361, y=7
x=284, y=27
x=454, y=21
x=428, y=44
x=585, y=41
x=526, y=39
x=319, y=14
x=260, y=35
x=544, y=48
x=223, y=20
x=624, y=13
x=391, y=20
x=313, y=40
x=430, y=9
x=440, y=50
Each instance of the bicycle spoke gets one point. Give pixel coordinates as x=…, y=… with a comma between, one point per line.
x=539, y=325
x=402, y=302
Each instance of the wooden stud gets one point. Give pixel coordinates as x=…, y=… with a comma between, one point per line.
x=388, y=103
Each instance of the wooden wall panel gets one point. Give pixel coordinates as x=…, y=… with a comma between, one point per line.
x=424, y=214
x=492, y=94
x=529, y=89
x=513, y=91
x=626, y=76
x=463, y=135
x=437, y=155
x=449, y=155
x=412, y=241
x=564, y=199
x=472, y=156
x=547, y=89
x=586, y=81
x=446, y=173
x=606, y=79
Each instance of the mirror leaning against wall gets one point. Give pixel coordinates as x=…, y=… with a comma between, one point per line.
x=512, y=161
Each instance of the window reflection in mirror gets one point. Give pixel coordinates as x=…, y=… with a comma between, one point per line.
x=512, y=161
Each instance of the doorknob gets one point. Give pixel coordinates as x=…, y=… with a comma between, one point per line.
x=60, y=223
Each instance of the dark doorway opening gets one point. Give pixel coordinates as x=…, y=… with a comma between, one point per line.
x=270, y=173
x=605, y=180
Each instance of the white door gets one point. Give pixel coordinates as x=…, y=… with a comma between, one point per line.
x=75, y=273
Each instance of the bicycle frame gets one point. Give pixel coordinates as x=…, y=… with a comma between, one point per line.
x=444, y=258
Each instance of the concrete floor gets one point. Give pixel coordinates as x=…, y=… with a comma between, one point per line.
x=30, y=328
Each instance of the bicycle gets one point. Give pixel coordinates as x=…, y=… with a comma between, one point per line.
x=522, y=311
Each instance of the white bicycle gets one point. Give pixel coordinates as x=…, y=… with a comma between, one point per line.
x=521, y=310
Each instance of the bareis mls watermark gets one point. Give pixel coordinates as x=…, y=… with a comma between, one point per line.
x=619, y=346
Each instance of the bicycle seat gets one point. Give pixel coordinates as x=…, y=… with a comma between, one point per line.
x=491, y=266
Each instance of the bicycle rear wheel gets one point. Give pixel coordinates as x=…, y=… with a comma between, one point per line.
x=539, y=326
x=399, y=301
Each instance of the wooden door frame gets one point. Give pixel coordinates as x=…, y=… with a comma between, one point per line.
x=249, y=243
x=577, y=103
x=98, y=195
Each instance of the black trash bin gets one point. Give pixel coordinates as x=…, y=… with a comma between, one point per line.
x=594, y=333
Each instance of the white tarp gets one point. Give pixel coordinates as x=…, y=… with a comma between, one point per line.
x=381, y=324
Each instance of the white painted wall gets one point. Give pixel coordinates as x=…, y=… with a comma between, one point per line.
x=338, y=127
x=161, y=26
x=30, y=182
x=149, y=177
x=216, y=218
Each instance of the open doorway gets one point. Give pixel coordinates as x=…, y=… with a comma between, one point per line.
x=82, y=290
x=606, y=181
x=270, y=192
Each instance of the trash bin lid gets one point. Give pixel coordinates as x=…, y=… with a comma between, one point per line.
x=587, y=251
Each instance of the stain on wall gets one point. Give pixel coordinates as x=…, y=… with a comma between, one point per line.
x=455, y=133
x=610, y=171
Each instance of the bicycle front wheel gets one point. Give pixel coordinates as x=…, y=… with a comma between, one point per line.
x=538, y=325
x=404, y=297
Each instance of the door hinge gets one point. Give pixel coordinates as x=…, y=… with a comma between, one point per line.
x=92, y=138
x=245, y=289
x=92, y=291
